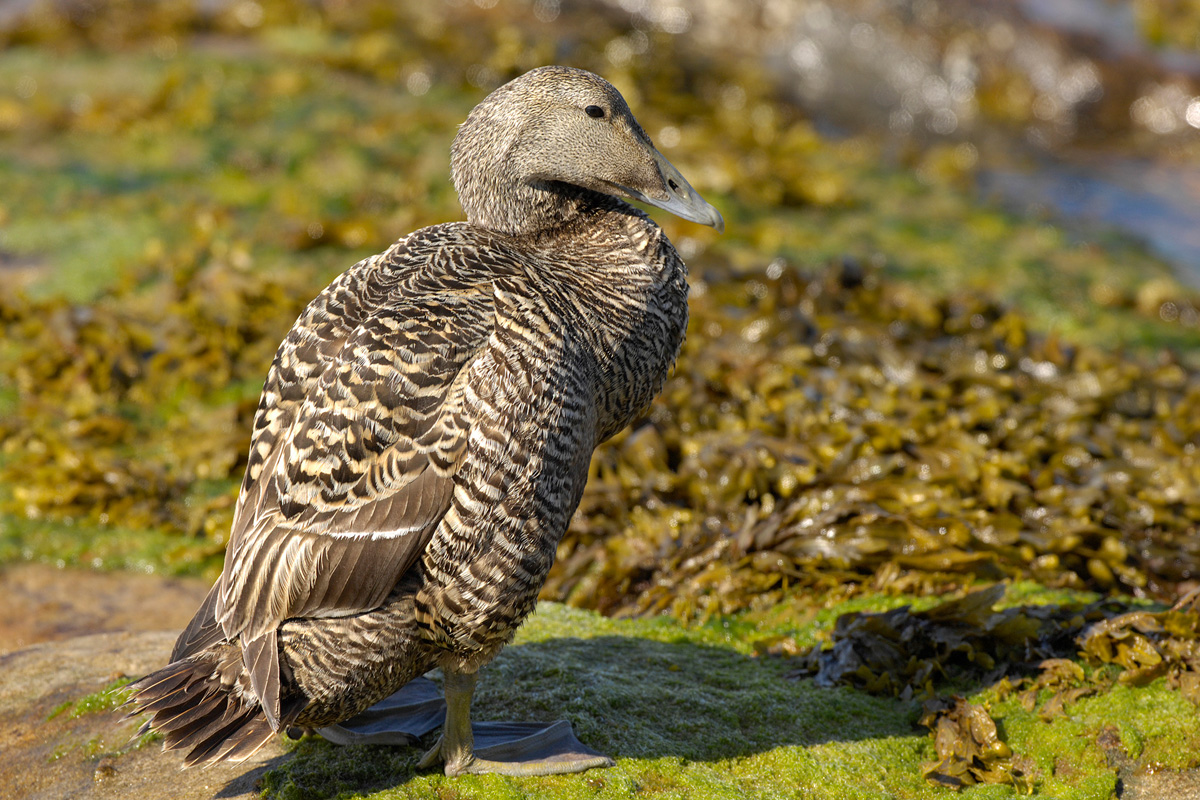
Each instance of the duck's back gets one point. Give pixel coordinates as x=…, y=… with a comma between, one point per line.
x=427, y=424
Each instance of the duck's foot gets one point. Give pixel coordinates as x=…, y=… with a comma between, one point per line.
x=516, y=748
x=507, y=748
x=402, y=718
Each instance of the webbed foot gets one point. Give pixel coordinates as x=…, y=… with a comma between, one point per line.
x=515, y=748
x=505, y=748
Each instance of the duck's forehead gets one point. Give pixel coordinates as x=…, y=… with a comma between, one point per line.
x=596, y=90
x=572, y=84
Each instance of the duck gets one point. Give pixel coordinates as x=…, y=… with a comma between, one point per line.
x=425, y=429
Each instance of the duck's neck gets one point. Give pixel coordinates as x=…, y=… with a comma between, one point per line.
x=517, y=208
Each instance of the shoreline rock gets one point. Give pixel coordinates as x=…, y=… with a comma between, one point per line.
x=49, y=756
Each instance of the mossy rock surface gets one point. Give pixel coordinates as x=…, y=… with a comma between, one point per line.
x=692, y=712
x=62, y=735
x=687, y=711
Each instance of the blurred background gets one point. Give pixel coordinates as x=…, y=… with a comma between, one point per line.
x=952, y=333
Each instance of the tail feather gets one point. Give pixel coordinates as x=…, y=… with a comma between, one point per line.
x=195, y=710
x=178, y=696
x=193, y=719
x=196, y=734
x=161, y=684
x=244, y=744
x=209, y=746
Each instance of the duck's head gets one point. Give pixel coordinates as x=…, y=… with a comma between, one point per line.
x=520, y=152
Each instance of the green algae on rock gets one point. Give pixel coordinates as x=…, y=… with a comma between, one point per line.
x=106, y=699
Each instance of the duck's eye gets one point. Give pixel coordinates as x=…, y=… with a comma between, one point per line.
x=595, y=112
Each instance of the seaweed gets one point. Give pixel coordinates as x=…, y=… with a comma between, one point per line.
x=867, y=396
x=915, y=653
x=969, y=749
x=1148, y=645
x=1049, y=657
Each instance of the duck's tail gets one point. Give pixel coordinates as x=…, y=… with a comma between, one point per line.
x=204, y=702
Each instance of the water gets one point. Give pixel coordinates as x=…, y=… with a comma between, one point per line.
x=1113, y=24
x=1157, y=203
x=1148, y=196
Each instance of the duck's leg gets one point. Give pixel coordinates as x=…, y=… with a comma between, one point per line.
x=456, y=745
x=525, y=755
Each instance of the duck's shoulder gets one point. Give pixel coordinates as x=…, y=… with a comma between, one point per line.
x=450, y=260
x=458, y=247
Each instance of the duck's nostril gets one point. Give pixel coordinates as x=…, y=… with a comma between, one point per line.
x=674, y=186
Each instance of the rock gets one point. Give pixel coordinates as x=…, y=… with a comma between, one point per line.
x=51, y=756
x=1165, y=785
x=40, y=602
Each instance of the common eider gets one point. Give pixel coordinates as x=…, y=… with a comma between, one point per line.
x=425, y=429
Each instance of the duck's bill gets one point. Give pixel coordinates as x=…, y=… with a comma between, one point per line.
x=679, y=197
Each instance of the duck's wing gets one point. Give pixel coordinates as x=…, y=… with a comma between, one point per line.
x=358, y=438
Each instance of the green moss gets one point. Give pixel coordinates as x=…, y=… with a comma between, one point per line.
x=1153, y=726
x=687, y=713
x=106, y=699
x=1032, y=593
x=1156, y=725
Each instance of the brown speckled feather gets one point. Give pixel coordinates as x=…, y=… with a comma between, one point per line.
x=425, y=428
x=358, y=436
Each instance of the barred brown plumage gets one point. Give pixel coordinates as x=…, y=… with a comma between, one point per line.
x=425, y=429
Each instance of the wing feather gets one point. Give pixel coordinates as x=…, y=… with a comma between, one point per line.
x=202, y=632
x=357, y=442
